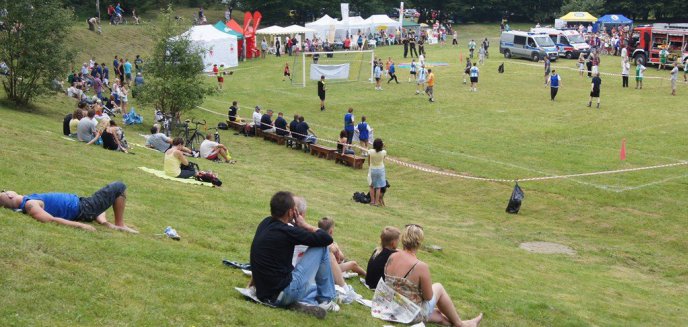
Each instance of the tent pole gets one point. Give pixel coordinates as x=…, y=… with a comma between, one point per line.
x=303, y=63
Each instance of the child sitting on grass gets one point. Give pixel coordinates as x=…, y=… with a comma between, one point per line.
x=389, y=239
x=337, y=260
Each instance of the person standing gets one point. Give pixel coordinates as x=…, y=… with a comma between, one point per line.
x=595, y=90
x=639, y=72
x=349, y=121
x=421, y=45
x=588, y=63
x=471, y=48
x=277, y=48
x=455, y=38
x=377, y=73
x=474, y=72
x=467, y=69
x=554, y=84
x=481, y=56
x=413, y=69
x=405, y=42
x=663, y=54
x=548, y=69
x=364, y=131
x=431, y=84
x=595, y=63
x=287, y=72
x=412, y=45
x=486, y=45
x=376, y=168
x=392, y=73
x=674, y=78
x=581, y=64
x=625, y=70
x=263, y=48
x=420, y=82
x=138, y=64
x=685, y=71
x=321, y=92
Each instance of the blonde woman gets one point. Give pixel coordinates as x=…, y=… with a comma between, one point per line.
x=410, y=277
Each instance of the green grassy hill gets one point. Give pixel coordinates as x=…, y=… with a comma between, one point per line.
x=627, y=229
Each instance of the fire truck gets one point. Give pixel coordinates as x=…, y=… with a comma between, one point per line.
x=648, y=41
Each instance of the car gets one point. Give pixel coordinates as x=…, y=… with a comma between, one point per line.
x=411, y=13
x=534, y=46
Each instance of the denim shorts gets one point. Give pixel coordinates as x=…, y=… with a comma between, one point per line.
x=93, y=206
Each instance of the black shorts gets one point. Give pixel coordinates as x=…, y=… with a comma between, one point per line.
x=101, y=200
x=595, y=93
x=413, y=73
x=377, y=79
x=321, y=96
x=287, y=74
x=474, y=80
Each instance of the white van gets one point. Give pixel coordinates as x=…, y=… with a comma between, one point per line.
x=534, y=46
x=570, y=44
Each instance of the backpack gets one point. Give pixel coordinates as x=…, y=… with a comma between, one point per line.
x=223, y=126
x=361, y=197
x=65, y=125
x=515, y=201
x=209, y=177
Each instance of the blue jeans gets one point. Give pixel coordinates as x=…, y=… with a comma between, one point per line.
x=314, y=264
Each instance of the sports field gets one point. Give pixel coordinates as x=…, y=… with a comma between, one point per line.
x=628, y=229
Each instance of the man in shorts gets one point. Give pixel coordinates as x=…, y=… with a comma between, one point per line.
x=474, y=73
x=71, y=210
x=639, y=71
x=212, y=150
x=595, y=90
x=420, y=81
x=377, y=73
x=431, y=84
x=674, y=78
x=413, y=70
x=321, y=92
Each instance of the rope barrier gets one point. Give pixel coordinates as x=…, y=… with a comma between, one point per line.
x=585, y=71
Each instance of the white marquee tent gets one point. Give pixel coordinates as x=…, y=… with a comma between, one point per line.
x=378, y=22
x=272, y=30
x=296, y=29
x=220, y=48
x=322, y=27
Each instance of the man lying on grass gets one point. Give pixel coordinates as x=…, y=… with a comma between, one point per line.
x=279, y=283
x=71, y=210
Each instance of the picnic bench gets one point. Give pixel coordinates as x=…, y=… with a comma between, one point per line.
x=237, y=125
x=322, y=151
x=294, y=143
x=259, y=131
x=274, y=138
x=349, y=160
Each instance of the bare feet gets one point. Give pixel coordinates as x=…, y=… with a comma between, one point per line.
x=473, y=322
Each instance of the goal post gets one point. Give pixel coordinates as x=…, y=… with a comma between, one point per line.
x=337, y=66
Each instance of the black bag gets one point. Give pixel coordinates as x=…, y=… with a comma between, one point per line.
x=223, y=126
x=501, y=68
x=515, y=201
x=205, y=176
x=65, y=125
x=361, y=197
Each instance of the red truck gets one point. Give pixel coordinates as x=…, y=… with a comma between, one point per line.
x=648, y=41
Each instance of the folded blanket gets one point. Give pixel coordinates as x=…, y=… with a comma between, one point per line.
x=161, y=174
x=250, y=293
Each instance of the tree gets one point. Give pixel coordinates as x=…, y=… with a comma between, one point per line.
x=174, y=83
x=32, y=45
x=594, y=7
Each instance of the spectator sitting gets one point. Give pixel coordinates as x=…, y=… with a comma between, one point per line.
x=293, y=125
x=175, y=163
x=304, y=132
x=337, y=260
x=211, y=150
x=233, y=113
x=410, y=277
x=71, y=210
x=86, y=129
x=281, y=125
x=342, y=145
x=138, y=81
x=157, y=140
x=74, y=122
x=276, y=281
x=266, y=124
x=113, y=138
x=389, y=239
x=255, y=123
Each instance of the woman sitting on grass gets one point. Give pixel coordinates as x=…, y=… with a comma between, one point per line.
x=410, y=277
x=175, y=163
x=113, y=138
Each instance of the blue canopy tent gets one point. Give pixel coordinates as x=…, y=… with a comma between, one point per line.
x=607, y=21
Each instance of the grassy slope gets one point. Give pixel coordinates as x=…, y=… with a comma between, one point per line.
x=630, y=268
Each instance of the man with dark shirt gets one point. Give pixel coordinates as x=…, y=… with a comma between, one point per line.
x=266, y=122
x=279, y=283
x=303, y=131
x=281, y=125
x=405, y=41
x=321, y=92
x=595, y=90
x=412, y=45
x=233, y=111
x=294, y=124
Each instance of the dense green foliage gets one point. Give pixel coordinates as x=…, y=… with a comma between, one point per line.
x=174, y=81
x=32, y=46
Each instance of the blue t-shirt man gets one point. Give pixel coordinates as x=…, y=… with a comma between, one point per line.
x=363, y=132
x=127, y=69
x=60, y=205
x=392, y=70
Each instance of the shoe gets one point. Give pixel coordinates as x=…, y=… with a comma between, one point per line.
x=432, y=100
x=313, y=310
x=329, y=306
x=589, y=104
x=598, y=106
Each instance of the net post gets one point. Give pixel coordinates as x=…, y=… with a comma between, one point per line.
x=372, y=60
x=303, y=65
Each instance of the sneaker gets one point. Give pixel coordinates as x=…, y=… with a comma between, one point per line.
x=313, y=310
x=329, y=306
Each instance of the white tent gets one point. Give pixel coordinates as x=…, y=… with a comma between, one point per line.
x=352, y=26
x=379, y=21
x=322, y=27
x=296, y=29
x=272, y=30
x=219, y=48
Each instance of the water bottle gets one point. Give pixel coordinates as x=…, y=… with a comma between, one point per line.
x=171, y=233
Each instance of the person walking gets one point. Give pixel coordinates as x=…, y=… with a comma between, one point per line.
x=481, y=56
x=467, y=69
x=349, y=125
x=554, y=84
x=595, y=90
x=625, y=70
x=486, y=45
x=413, y=70
x=277, y=48
x=588, y=64
x=376, y=168
x=392, y=73
x=639, y=72
x=674, y=78
x=321, y=92
x=431, y=85
x=364, y=131
x=405, y=42
x=471, y=48
x=663, y=54
x=474, y=72
x=455, y=38
x=548, y=69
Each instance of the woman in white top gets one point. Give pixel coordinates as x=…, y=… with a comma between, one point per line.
x=376, y=166
x=124, y=97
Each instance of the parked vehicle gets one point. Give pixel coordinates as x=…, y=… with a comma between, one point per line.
x=648, y=41
x=534, y=46
x=570, y=44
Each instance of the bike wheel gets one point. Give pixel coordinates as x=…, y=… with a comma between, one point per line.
x=195, y=141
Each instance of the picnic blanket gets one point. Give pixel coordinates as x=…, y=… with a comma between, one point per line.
x=162, y=175
x=250, y=293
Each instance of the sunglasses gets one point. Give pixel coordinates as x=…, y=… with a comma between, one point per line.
x=415, y=225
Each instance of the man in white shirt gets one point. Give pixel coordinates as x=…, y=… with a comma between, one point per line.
x=211, y=150
x=377, y=72
x=256, y=119
x=674, y=78
x=420, y=82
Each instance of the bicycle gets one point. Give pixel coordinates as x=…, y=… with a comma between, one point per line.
x=166, y=122
x=192, y=136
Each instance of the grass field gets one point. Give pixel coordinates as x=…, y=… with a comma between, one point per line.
x=628, y=229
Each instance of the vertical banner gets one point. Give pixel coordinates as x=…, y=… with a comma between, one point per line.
x=345, y=11
x=401, y=14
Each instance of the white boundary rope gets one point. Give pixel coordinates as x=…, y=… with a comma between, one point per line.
x=585, y=71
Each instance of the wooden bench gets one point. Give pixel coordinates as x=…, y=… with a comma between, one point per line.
x=349, y=160
x=259, y=132
x=296, y=144
x=274, y=138
x=238, y=126
x=322, y=151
